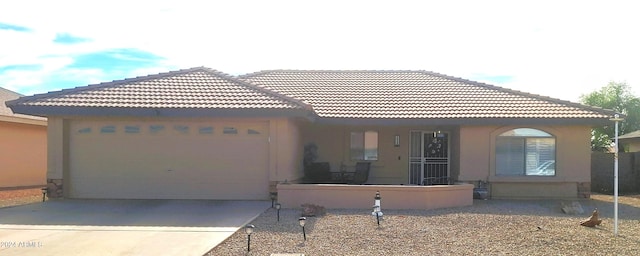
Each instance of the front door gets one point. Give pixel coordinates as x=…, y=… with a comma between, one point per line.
x=429, y=158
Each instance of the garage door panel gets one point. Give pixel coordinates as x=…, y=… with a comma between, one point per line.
x=170, y=164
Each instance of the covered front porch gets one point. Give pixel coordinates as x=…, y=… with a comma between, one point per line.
x=397, y=154
x=412, y=166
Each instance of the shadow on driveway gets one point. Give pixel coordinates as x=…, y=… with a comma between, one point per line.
x=168, y=213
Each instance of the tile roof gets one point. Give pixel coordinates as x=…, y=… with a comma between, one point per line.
x=7, y=95
x=195, y=88
x=413, y=95
x=329, y=95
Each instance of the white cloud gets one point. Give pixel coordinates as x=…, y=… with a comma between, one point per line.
x=559, y=49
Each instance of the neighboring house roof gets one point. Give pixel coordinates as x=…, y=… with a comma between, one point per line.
x=7, y=115
x=402, y=95
x=631, y=135
x=188, y=92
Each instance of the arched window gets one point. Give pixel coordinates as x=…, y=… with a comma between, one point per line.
x=525, y=151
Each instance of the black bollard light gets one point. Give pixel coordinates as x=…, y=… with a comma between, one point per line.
x=249, y=230
x=273, y=196
x=44, y=193
x=278, y=206
x=376, y=211
x=302, y=221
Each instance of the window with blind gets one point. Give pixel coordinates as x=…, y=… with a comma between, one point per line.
x=525, y=151
x=364, y=145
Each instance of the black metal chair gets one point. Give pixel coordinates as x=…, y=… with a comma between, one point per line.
x=319, y=172
x=361, y=175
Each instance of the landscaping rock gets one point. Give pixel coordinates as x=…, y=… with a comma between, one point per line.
x=574, y=208
x=312, y=210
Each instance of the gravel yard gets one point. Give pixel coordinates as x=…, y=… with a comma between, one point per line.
x=491, y=227
x=13, y=197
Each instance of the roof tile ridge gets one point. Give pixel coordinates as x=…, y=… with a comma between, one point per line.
x=281, y=96
x=102, y=85
x=527, y=94
x=390, y=71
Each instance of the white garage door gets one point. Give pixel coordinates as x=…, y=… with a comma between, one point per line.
x=169, y=160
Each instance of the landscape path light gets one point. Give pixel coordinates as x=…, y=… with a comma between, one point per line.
x=249, y=230
x=378, y=213
x=376, y=202
x=44, y=193
x=278, y=206
x=273, y=196
x=302, y=221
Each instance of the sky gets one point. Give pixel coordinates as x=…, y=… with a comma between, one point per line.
x=561, y=49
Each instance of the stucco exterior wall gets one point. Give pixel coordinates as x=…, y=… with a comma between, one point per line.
x=471, y=151
x=23, y=154
x=573, y=160
x=631, y=144
x=286, y=150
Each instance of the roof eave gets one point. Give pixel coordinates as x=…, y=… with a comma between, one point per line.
x=465, y=121
x=159, y=112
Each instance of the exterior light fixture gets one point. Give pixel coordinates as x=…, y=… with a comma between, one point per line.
x=376, y=202
x=249, y=230
x=615, y=119
x=396, y=141
x=273, y=196
x=302, y=221
x=44, y=193
x=378, y=213
x=278, y=206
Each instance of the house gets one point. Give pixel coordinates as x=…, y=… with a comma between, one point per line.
x=630, y=141
x=202, y=134
x=23, y=146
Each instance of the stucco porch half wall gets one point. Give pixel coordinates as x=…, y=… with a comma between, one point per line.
x=362, y=196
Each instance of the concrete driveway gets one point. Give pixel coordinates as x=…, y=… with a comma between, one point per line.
x=122, y=227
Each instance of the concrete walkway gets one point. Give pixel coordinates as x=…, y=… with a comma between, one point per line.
x=122, y=227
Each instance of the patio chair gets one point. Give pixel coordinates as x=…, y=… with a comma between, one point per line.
x=319, y=172
x=361, y=175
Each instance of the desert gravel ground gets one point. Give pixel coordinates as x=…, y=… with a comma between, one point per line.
x=489, y=227
x=20, y=196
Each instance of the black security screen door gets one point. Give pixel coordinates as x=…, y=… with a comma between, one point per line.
x=429, y=158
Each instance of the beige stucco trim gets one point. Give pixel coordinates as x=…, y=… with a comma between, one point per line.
x=22, y=120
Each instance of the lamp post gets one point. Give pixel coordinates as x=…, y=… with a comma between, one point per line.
x=302, y=221
x=249, y=229
x=616, y=119
x=278, y=206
